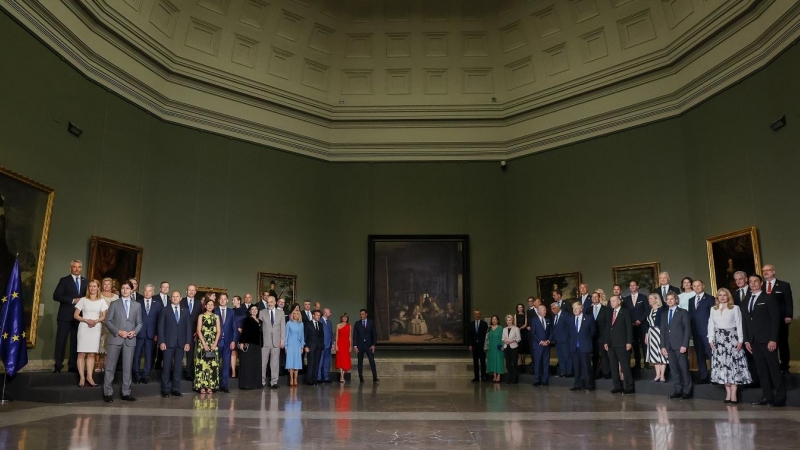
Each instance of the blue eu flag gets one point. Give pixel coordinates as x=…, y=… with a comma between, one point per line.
x=13, y=341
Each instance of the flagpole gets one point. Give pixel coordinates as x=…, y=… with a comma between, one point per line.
x=3, y=399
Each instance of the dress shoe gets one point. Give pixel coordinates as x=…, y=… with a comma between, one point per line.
x=607, y=377
x=145, y=381
x=616, y=391
x=629, y=392
x=675, y=395
x=545, y=384
x=225, y=390
x=327, y=381
x=761, y=402
x=273, y=386
x=129, y=398
x=360, y=379
x=176, y=394
x=537, y=384
x=57, y=370
x=574, y=388
x=474, y=380
x=375, y=380
x=686, y=396
x=777, y=404
x=73, y=370
x=726, y=401
x=165, y=395
x=137, y=381
x=108, y=399
x=591, y=389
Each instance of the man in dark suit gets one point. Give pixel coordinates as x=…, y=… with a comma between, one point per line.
x=531, y=314
x=699, y=312
x=314, y=335
x=781, y=291
x=324, y=370
x=638, y=308
x=195, y=308
x=581, y=332
x=228, y=337
x=742, y=293
x=664, y=287
x=264, y=302
x=147, y=336
x=163, y=297
x=541, y=335
x=675, y=330
x=476, y=339
x=307, y=313
x=174, y=337
x=135, y=295
x=69, y=290
x=761, y=318
x=602, y=317
x=584, y=298
x=560, y=339
x=619, y=340
x=364, y=339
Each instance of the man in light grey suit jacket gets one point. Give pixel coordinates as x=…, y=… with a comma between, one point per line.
x=124, y=320
x=675, y=332
x=273, y=327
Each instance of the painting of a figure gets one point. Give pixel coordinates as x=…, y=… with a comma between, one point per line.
x=418, y=289
x=566, y=283
x=279, y=285
x=731, y=252
x=645, y=275
x=25, y=209
x=115, y=260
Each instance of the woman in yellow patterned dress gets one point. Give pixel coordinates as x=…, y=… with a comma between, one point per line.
x=206, y=367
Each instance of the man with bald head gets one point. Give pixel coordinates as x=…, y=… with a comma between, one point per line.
x=781, y=291
x=664, y=287
x=195, y=308
x=541, y=335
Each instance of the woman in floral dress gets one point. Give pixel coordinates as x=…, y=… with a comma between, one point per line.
x=206, y=369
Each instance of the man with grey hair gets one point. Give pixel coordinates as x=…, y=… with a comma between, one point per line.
x=69, y=290
x=147, y=336
x=781, y=291
x=742, y=292
x=324, y=370
x=664, y=287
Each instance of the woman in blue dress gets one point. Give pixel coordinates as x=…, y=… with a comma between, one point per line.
x=295, y=341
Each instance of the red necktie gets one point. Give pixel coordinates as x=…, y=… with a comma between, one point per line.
x=769, y=287
x=614, y=319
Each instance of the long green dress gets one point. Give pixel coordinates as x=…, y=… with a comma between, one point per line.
x=494, y=357
x=206, y=371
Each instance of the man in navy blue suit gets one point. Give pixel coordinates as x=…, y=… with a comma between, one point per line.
x=227, y=339
x=324, y=371
x=699, y=312
x=584, y=298
x=541, y=335
x=581, y=331
x=69, y=290
x=561, y=326
x=638, y=308
x=364, y=339
x=148, y=335
x=175, y=333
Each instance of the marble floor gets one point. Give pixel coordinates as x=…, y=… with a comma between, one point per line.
x=405, y=414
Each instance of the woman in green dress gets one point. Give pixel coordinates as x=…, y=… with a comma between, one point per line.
x=206, y=368
x=495, y=363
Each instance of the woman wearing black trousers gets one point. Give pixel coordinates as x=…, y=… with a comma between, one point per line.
x=511, y=339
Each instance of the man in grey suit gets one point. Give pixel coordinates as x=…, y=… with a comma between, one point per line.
x=273, y=327
x=675, y=332
x=124, y=320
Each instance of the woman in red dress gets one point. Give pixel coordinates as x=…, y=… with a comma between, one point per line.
x=343, y=345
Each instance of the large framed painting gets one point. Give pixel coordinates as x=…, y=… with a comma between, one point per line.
x=418, y=289
x=116, y=260
x=279, y=285
x=644, y=274
x=567, y=283
x=731, y=252
x=206, y=291
x=25, y=210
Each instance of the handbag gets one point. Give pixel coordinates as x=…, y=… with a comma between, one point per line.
x=209, y=355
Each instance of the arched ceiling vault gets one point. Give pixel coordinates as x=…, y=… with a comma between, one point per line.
x=368, y=80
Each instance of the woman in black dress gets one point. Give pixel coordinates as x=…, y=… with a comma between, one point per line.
x=250, y=351
x=522, y=324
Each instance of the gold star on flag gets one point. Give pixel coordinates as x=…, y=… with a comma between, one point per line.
x=5, y=299
x=23, y=335
x=14, y=294
x=5, y=335
x=15, y=338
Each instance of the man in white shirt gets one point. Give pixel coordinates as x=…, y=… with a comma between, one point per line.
x=781, y=291
x=584, y=298
x=742, y=292
x=664, y=287
x=675, y=332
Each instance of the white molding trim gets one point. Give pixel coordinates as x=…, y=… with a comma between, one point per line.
x=656, y=87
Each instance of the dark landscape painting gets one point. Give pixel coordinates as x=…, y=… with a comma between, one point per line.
x=731, y=252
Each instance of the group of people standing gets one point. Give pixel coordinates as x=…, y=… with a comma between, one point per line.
x=165, y=328
x=744, y=335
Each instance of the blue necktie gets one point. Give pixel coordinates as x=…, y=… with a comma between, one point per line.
x=127, y=308
x=577, y=343
x=669, y=321
x=78, y=285
x=177, y=318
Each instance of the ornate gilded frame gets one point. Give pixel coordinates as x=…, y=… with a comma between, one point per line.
x=264, y=279
x=47, y=208
x=645, y=275
x=202, y=291
x=545, y=293
x=101, y=244
x=738, y=247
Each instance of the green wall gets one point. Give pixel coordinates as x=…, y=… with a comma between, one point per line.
x=214, y=211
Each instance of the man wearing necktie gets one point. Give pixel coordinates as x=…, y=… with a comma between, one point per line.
x=123, y=321
x=581, y=331
x=664, y=287
x=307, y=313
x=476, y=338
x=619, y=341
x=560, y=339
x=228, y=337
x=147, y=337
x=637, y=307
x=699, y=313
x=675, y=330
x=323, y=373
x=314, y=337
x=68, y=292
x=781, y=291
x=195, y=308
x=541, y=335
x=365, y=336
x=135, y=296
x=164, y=297
x=602, y=316
x=174, y=339
x=273, y=329
x=761, y=318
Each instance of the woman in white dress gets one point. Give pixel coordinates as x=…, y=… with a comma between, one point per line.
x=725, y=336
x=90, y=311
x=109, y=296
x=686, y=293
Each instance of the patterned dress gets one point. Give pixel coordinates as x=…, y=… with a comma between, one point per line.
x=728, y=365
x=206, y=371
x=654, y=355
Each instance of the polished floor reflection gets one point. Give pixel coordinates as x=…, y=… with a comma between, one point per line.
x=448, y=413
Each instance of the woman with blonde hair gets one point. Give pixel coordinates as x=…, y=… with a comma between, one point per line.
x=602, y=294
x=652, y=336
x=90, y=311
x=725, y=336
x=295, y=341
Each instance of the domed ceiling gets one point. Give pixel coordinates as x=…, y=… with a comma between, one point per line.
x=413, y=79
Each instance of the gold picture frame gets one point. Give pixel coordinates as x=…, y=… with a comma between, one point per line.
x=732, y=252
x=26, y=207
x=285, y=286
x=645, y=275
x=566, y=282
x=113, y=259
x=203, y=291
